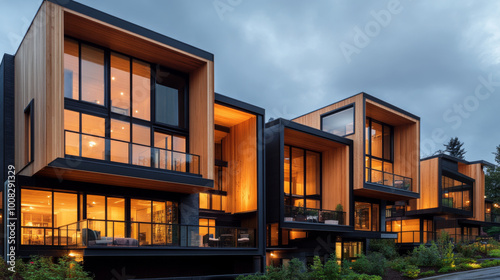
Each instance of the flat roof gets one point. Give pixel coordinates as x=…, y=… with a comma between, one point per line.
x=134, y=28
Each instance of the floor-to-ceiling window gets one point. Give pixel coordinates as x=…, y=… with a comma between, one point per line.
x=366, y=216
x=456, y=194
x=302, y=184
x=109, y=115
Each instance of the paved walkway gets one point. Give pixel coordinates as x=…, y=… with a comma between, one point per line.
x=477, y=274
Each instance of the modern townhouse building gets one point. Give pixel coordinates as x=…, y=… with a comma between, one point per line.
x=452, y=199
x=125, y=156
x=332, y=173
x=127, y=160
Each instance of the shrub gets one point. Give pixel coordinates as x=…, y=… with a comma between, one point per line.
x=354, y=276
x=490, y=263
x=495, y=253
x=386, y=247
x=428, y=273
x=448, y=258
x=45, y=268
x=478, y=257
x=399, y=264
x=295, y=270
x=446, y=269
x=468, y=250
x=256, y=276
x=332, y=269
x=464, y=260
x=411, y=271
x=426, y=256
x=374, y=264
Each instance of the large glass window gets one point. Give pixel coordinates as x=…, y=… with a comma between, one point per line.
x=379, y=154
x=141, y=90
x=44, y=211
x=71, y=69
x=147, y=217
x=120, y=84
x=456, y=194
x=366, y=216
x=170, y=98
x=302, y=169
x=340, y=123
x=128, y=90
x=92, y=76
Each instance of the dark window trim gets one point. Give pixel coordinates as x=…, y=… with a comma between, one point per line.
x=29, y=112
x=154, y=68
x=369, y=155
x=319, y=196
x=104, y=110
x=338, y=110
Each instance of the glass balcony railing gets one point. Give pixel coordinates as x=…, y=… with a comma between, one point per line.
x=428, y=236
x=100, y=233
x=101, y=148
x=311, y=215
x=492, y=218
x=388, y=179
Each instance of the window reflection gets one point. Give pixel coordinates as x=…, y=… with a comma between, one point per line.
x=71, y=69
x=141, y=90
x=340, y=123
x=120, y=84
x=92, y=74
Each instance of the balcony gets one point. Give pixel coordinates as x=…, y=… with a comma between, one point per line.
x=395, y=211
x=388, y=179
x=492, y=218
x=311, y=215
x=111, y=150
x=92, y=233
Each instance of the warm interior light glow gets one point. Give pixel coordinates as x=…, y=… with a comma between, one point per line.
x=272, y=255
x=121, y=93
x=446, y=194
x=137, y=111
x=92, y=143
x=93, y=202
x=113, y=78
x=98, y=102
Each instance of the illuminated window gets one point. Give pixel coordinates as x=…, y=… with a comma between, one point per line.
x=141, y=90
x=302, y=178
x=71, y=69
x=92, y=75
x=120, y=84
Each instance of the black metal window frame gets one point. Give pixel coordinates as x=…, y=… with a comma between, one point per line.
x=369, y=153
x=305, y=196
x=462, y=188
x=341, y=109
x=370, y=220
x=104, y=111
x=29, y=116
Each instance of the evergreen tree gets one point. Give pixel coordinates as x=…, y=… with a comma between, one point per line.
x=492, y=179
x=454, y=148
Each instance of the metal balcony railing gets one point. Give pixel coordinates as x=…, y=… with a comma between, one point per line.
x=388, y=179
x=101, y=233
x=311, y=215
x=102, y=148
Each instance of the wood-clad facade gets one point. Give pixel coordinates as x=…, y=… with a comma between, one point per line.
x=124, y=150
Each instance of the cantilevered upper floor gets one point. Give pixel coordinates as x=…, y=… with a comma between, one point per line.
x=452, y=186
x=99, y=99
x=386, y=142
x=309, y=178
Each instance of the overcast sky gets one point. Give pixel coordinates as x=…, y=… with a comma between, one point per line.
x=439, y=60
